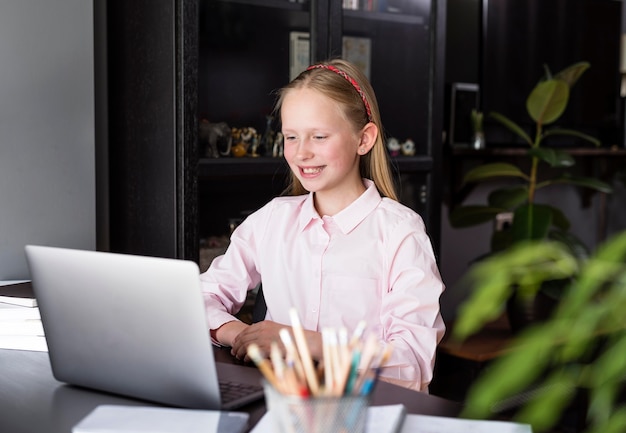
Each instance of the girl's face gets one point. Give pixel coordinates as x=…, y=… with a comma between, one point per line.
x=321, y=145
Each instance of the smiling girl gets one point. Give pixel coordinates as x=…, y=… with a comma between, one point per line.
x=340, y=247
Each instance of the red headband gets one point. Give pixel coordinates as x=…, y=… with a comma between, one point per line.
x=350, y=80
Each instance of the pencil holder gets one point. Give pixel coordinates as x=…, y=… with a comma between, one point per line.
x=293, y=414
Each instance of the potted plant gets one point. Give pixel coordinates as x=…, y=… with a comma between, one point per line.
x=532, y=220
x=579, y=350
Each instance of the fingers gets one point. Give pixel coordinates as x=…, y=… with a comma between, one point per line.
x=262, y=334
x=240, y=344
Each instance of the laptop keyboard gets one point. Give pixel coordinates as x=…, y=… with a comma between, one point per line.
x=238, y=392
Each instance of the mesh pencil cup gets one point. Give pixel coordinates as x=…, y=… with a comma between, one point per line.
x=293, y=414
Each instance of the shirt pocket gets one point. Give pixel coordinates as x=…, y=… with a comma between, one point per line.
x=349, y=299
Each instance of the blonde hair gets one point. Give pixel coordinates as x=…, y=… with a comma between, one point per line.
x=344, y=83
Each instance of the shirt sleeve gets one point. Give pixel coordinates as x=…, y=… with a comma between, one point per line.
x=410, y=313
x=226, y=282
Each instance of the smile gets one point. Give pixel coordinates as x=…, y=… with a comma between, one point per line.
x=311, y=170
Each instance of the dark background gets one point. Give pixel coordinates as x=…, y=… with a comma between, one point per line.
x=503, y=46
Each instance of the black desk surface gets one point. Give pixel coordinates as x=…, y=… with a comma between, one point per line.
x=32, y=401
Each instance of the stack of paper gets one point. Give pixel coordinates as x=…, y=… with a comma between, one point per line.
x=20, y=321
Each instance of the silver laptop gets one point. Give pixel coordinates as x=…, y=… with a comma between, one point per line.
x=135, y=326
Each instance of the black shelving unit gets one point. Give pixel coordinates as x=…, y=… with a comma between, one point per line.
x=215, y=168
x=172, y=62
x=251, y=54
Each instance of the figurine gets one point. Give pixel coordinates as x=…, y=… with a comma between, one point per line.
x=215, y=137
x=254, y=146
x=408, y=147
x=242, y=140
x=267, y=141
x=393, y=145
x=278, y=147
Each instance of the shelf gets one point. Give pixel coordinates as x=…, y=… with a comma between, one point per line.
x=391, y=17
x=276, y=4
x=394, y=17
x=263, y=166
x=521, y=151
x=596, y=162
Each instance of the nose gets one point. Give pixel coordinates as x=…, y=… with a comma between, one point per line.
x=303, y=149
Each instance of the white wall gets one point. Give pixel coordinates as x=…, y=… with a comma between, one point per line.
x=47, y=162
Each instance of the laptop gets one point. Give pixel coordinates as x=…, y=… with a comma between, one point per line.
x=134, y=326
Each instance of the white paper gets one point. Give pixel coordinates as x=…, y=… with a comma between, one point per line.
x=11, y=312
x=21, y=327
x=439, y=424
x=24, y=342
x=139, y=419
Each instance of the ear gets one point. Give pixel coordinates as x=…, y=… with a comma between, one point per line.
x=369, y=133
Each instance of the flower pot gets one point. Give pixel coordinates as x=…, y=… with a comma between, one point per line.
x=523, y=312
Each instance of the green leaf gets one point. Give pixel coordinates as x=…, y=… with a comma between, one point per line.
x=508, y=198
x=471, y=215
x=580, y=347
x=572, y=73
x=587, y=182
x=558, y=218
x=477, y=120
x=602, y=399
x=547, y=73
x=509, y=375
x=559, y=131
x=493, y=171
x=512, y=126
x=548, y=101
x=501, y=240
x=572, y=242
x=493, y=278
x=615, y=424
x=610, y=366
x=531, y=221
x=554, y=157
x=549, y=400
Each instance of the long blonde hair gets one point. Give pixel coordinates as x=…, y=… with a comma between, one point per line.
x=344, y=83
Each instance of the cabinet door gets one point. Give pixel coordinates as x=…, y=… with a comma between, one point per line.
x=151, y=125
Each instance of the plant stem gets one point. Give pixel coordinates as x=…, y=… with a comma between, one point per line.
x=532, y=183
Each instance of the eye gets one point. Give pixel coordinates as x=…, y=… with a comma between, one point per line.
x=319, y=137
x=288, y=137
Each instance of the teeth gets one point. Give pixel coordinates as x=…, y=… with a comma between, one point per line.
x=311, y=170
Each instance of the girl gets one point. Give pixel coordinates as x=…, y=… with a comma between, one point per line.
x=340, y=248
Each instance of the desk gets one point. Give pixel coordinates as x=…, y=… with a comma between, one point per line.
x=32, y=401
x=491, y=342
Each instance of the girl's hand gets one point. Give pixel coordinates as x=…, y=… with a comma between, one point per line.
x=263, y=333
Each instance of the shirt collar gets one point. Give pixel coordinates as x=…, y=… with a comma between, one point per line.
x=349, y=217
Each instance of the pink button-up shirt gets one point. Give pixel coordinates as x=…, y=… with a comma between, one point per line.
x=373, y=261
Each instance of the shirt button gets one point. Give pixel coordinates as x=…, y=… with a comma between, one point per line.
x=314, y=310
